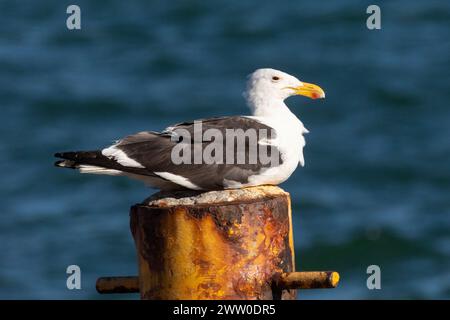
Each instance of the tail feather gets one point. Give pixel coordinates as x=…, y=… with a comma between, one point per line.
x=80, y=155
x=67, y=164
x=75, y=160
x=93, y=162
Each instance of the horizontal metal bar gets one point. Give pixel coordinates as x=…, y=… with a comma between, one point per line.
x=291, y=280
x=308, y=280
x=129, y=284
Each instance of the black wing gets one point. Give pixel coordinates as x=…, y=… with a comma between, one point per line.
x=154, y=151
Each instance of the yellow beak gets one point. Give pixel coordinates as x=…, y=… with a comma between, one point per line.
x=309, y=90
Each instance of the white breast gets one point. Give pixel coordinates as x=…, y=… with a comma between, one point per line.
x=290, y=142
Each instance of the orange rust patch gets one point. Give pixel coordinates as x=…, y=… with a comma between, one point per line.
x=225, y=251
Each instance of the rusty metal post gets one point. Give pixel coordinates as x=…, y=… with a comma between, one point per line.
x=228, y=244
x=232, y=244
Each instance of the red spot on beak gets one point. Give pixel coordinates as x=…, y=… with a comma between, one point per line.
x=315, y=95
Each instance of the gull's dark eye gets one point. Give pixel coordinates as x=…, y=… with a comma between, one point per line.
x=275, y=78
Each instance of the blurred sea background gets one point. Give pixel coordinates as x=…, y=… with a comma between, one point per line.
x=376, y=185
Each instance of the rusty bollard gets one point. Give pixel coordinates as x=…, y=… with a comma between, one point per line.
x=231, y=244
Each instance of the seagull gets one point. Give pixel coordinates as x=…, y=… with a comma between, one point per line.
x=149, y=156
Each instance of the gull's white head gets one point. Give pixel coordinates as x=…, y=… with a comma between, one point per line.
x=268, y=88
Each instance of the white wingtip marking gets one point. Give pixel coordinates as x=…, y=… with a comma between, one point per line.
x=66, y=164
x=84, y=168
x=121, y=157
x=182, y=181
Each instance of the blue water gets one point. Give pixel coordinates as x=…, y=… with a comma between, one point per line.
x=376, y=186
